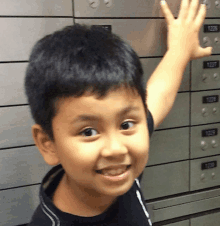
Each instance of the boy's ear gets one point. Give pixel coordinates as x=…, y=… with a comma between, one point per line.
x=45, y=145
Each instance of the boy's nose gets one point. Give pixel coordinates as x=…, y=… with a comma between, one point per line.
x=113, y=147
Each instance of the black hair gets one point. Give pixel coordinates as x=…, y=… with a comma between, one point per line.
x=74, y=60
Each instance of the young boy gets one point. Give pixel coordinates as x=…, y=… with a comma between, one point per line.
x=93, y=119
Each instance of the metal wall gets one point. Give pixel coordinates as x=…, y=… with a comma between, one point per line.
x=181, y=182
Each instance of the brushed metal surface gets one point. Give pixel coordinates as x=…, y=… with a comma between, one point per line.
x=17, y=42
x=36, y=8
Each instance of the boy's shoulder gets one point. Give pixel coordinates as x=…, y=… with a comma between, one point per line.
x=128, y=209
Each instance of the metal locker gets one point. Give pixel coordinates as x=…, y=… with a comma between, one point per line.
x=21, y=166
x=12, y=84
x=27, y=31
x=164, y=180
x=205, y=140
x=18, y=204
x=150, y=64
x=122, y=8
x=181, y=223
x=207, y=220
x=210, y=34
x=206, y=73
x=204, y=173
x=146, y=36
x=184, y=205
x=205, y=107
x=169, y=146
x=16, y=125
x=179, y=114
x=36, y=8
x=129, y=8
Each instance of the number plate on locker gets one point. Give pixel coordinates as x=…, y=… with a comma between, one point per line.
x=209, y=165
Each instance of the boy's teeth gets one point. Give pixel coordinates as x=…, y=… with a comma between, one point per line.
x=114, y=172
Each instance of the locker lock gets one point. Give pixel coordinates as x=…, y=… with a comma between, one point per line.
x=214, y=111
x=217, y=4
x=214, y=144
x=204, y=112
x=217, y=40
x=204, y=145
x=216, y=76
x=207, y=3
x=207, y=41
x=108, y=3
x=204, y=78
x=94, y=3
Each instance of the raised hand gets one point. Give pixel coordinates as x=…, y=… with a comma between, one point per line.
x=183, y=32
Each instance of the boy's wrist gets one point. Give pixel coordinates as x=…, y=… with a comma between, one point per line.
x=178, y=55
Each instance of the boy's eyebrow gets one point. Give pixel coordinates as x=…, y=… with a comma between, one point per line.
x=88, y=117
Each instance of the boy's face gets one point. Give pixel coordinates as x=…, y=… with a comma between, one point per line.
x=91, y=134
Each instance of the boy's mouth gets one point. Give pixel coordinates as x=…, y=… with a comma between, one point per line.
x=114, y=171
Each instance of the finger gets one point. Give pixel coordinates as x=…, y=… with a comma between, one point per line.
x=183, y=9
x=192, y=10
x=200, y=16
x=166, y=11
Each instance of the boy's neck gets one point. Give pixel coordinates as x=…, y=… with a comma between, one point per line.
x=74, y=201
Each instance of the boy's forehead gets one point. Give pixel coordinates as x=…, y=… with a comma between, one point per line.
x=123, y=96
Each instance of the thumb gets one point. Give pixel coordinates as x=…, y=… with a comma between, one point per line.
x=206, y=51
x=202, y=52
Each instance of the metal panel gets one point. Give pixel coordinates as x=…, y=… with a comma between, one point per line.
x=206, y=178
x=205, y=146
x=182, y=223
x=168, y=146
x=211, y=38
x=146, y=36
x=122, y=8
x=128, y=8
x=15, y=127
x=150, y=64
x=17, y=205
x=179, y=200
x=12, y=84
x=207, y=220
x=36, y=8
x=17, y=42
x=184, y=209
x=202, y=113
x=203, y=79
x=21, y=166
x=179, y=115
x=163, y=180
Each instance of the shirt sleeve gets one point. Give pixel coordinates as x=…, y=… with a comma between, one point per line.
x=150, y=123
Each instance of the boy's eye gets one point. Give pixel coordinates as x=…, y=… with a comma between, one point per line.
x=127, y=125
x=89, y=132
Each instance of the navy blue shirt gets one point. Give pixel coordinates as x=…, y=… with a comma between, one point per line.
x=129, y=209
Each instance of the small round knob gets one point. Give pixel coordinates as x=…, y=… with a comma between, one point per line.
x=108, y=3
x=214, y=144
x=216, y=76
x=204, y=145
x=204, y=112
x=206, y=41
x=204, y=78
x=207, y=3
x=217, y=40
x=213, y=175
x=214, y=111
x=94, y=3
x=217, y=4
x=203, y=176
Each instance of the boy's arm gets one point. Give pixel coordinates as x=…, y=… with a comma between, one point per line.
x=183, y=45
